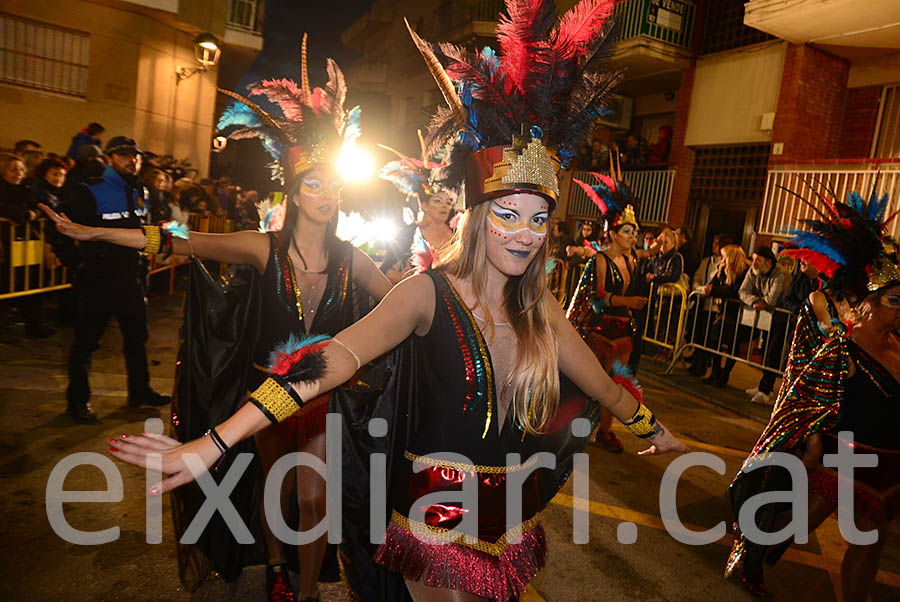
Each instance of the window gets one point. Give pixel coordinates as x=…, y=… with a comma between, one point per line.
x=44, y=57
x=886, y=144
x=243, y=14
x=725, y=27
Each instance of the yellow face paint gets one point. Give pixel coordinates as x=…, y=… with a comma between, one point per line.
x=505, y=222
x=314, y=187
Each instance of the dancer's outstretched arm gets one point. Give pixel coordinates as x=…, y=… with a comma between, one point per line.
x=237, y=247
x=407, y=308
x=578, y=362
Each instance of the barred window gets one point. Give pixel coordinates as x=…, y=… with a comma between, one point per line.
x=886, y=144
x=44, y=57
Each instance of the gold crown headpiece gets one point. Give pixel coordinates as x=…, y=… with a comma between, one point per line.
x=883, y=272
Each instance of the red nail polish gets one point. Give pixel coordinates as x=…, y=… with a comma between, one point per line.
x=124, y=436
x=113, y=441
x=154, y=491
x=113, y=449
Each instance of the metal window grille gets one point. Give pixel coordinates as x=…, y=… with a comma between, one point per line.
x=725, y=27
x=734, y=173
x=44, y=57
x=242, y=14
x=886, y=144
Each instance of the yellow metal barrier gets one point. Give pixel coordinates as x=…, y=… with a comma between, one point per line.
x=197, y=222
x=27, y=264
x=663, y=301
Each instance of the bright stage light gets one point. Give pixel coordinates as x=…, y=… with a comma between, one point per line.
x=356, y=165
x=384, y=229
x=356, y=230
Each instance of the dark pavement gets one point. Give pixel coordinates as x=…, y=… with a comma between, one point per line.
x=38, y=565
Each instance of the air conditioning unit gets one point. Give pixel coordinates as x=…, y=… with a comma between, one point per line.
x=619, y=116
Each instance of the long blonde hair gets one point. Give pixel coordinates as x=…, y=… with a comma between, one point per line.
x=735, y=263
x=534, y=377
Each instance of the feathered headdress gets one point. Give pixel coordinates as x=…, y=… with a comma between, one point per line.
x=540, y=93
x=413, y=177
x=845, y=243
x=611, y=196
x=313, y=128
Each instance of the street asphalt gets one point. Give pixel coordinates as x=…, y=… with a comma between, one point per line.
x=36, y=564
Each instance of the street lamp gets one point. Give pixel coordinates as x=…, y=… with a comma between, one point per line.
x=206, y=51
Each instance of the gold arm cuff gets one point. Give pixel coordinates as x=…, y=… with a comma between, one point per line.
x=153, y=239
x=275, y=399
x=641, y=424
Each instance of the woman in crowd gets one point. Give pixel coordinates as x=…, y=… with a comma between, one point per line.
x=723, y=287
x=482, y=345
x=699, y=313
x=162, y=204
x=307, y=280
x=838, y=380
x=602, y=304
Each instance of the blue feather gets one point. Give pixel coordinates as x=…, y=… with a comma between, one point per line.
x=815, y=242
x=294, y=344
x=177, y=230
x=351, y=129
x=238, y=114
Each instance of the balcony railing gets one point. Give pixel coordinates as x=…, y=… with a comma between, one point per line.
x=244, y=14
x=834, y=179
x=670, y=21
x=653, y=188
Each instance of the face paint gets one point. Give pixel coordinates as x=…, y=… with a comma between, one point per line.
x=440, y=199
x=628, y=230
x=505, y=222
x=892, y=301
x=315, y=188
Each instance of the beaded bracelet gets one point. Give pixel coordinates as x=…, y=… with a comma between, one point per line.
x=153, y=239
x=276, y=398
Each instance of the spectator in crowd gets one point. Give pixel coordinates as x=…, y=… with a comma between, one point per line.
x=194, y=200
x=600, y=154
x=668, y=265
x=32, y=159
x=23, y=146
x=804, y=280
x=47, y=187
x=89, y=167
x=221, y=196
x=109, y=280
x=210, y=204
x=635, y=152
x=90, y=135
x=583, y=159
x=690, y=254
x=559, y=239
x=725, y=286
x=763, y=289
x=159, y=195
x=578, y=253
x=15, y=205
x=703, y=276
x=659, y=150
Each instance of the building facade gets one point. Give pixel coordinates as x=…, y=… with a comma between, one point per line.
x=66, y=64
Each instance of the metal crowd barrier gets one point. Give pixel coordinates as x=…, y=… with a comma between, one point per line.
x=668, y=332
x=197, y=222
x=563, y=279
x=725, y=339
x=28, y=265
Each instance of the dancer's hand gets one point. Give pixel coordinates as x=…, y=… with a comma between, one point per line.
x=66, y=226
x=140, y=450
x=663, y=441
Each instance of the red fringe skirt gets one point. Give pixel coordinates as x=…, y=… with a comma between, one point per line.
x=437, y=562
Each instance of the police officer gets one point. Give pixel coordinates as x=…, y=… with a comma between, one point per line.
x=109, y=279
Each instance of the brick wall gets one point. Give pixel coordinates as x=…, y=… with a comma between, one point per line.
x=810, y=103
x=859, y=122
x=681, y=158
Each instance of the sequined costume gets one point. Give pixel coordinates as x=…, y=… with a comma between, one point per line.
x=230, y=326
x=284, y=314
x=443, y=397
x=819, y=395
x=608, y=330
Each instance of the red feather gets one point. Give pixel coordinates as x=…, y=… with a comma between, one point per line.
x=889, y=219
x=592, y=195
x=527, y=25
x=821, y=262
x=580, y=27
x=285, y=361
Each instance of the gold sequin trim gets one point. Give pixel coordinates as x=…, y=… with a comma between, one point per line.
x=438, y=463
x=296, y=288
x=275, y=399
x=153, y=238
x=426, y=532
x=641, y=423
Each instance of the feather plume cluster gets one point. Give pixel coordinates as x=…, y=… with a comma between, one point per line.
x=549, y=73
x=844, y=242
x=611, y=196
x=309, y=117
x=299, y=359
